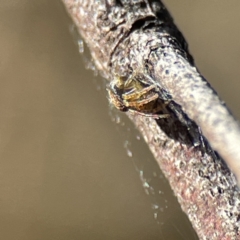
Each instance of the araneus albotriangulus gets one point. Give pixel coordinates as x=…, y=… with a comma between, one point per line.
x=137, y=94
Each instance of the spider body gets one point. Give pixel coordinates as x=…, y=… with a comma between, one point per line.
x=137, y=94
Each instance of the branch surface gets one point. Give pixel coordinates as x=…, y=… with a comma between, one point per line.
x=139, y=36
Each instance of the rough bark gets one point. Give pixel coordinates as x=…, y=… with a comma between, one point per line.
x=139, y=36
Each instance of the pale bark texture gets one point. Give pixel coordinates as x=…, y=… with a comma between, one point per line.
x=138, y=36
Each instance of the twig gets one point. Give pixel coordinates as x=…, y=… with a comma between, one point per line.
x=139, y=37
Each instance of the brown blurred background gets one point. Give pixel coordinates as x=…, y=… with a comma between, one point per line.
x=70, y=167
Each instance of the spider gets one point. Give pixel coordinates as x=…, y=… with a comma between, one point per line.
x=137, y=95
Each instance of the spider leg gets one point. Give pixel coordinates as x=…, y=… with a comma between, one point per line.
x=152, y=115
x=140, y=102
x=137, y=94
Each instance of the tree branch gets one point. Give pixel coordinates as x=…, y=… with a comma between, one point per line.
x=129, y=37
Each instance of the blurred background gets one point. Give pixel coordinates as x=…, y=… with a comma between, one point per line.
x=70, y=166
